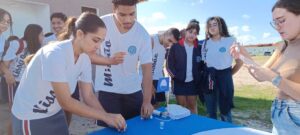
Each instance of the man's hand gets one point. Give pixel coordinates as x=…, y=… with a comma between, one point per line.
x=146, y=110
x=118, y=58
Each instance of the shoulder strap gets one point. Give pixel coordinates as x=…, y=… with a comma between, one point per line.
x=204, y=50
x=21, y=46
x=6, y=46
x=152, y=42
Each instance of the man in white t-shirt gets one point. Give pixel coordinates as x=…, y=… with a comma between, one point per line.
x=57, y=23
x=119, y=86
x=160, y=44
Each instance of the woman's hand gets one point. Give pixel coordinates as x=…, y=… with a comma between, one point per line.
x=236, y=50
x=261, y=74
x=116, y=121
x=10, y=79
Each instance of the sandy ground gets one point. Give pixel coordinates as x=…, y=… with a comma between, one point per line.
x=80, y=126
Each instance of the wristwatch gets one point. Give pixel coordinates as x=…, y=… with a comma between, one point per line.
x=276, y=80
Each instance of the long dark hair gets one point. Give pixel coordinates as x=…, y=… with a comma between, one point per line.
x=31, y=37
x=4, y=12
x=221, y=25
x=86, y=22
x=292, y=6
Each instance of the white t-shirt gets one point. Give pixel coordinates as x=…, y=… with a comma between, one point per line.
x=35, y=98
x=123, y=78
x=189, y=62
x=218, y=53
x=158, y=58
x=17, y=66
x=49, y=39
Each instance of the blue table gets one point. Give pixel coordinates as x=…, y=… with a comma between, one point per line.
x=186, y=126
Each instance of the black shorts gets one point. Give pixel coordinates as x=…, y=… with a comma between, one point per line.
x=128, y=105
x=76, y=94
x=185, y=88
x=159, y=97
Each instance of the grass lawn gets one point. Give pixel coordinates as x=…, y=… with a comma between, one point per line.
x=253, y=103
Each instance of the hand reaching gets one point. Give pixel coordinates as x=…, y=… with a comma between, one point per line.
x=116, y=121
x=118, y=58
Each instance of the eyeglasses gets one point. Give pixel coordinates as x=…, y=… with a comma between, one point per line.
x=276, y=23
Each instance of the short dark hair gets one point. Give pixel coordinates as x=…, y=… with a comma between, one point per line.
x=125, y=2
x=175, y=32
x=59, y=15
x=193, y=24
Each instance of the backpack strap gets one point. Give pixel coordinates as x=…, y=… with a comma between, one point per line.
x=152, y=42
x=21, y=46
x=6, y=46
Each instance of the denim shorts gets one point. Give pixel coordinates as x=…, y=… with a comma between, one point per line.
x=285, y=116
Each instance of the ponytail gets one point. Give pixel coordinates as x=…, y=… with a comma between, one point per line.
x=86, y=22
x=28, y=59
x=68, y=29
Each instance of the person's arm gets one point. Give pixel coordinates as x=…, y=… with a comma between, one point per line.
x=147, y=107
x=68, y=103
x=237, y=66
x=9, y=56
x=88, y=96
x=116, y=59
x=170, y=63
x=9, y=78
x=289, y=87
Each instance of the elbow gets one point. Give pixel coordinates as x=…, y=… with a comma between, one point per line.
x=66, y=103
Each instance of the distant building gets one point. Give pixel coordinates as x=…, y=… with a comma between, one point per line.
x=261, y=49
x=25, y=12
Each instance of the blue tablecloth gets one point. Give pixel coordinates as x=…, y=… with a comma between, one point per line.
x=186, y=126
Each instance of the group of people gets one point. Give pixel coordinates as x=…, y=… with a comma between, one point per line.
x=47, y=75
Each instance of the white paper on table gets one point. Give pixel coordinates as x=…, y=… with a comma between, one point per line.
x=177, y=111
x=233, y=131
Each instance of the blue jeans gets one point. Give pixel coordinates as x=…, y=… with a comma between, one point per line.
x=211, y=103
x=285, y=116
x=221, y=96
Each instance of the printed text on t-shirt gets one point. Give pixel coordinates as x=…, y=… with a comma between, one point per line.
x=107, y=71
x=42, y=106
x=154, y=62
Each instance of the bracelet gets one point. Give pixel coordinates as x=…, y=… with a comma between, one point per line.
x=276, y=80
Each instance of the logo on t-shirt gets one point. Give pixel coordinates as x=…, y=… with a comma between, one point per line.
x=132, y=50
x=222, y=49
